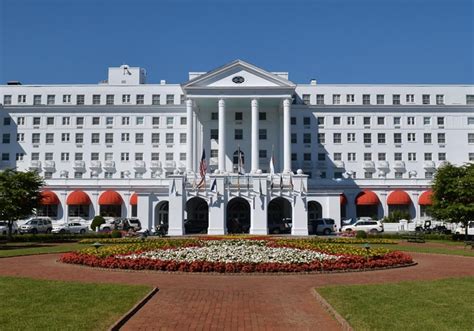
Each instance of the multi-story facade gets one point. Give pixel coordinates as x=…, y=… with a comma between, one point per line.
x=126, y=148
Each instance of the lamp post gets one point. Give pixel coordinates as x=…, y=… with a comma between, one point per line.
x=97, y=245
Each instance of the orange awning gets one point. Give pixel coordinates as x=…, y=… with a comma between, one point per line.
x=110, y=198
x=78, y=198
x=425, y=198
x=367, y=198
x=49, y=198
x=343, y=199
x=134, y=199
x=398, y=197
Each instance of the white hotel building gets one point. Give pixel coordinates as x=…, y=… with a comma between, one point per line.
x=126, y=148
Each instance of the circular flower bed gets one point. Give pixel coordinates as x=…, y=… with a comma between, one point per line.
x=232, y=256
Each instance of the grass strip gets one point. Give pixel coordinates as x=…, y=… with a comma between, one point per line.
x=19, y=249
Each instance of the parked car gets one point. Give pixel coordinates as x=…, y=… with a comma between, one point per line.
x=135, y=224
x=111, y=224
x=70, y=228
x=4, y=228
x=37, y=225
x=369, y=226
x=325, y=226
x=461, y=229
x=280, y=227
x=195, y=226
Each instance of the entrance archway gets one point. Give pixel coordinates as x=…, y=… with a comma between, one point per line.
x=238, y=216
x=161, y=214
x=279, y=215
x=197, y=220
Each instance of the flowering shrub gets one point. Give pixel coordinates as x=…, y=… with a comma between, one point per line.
x=240, y=255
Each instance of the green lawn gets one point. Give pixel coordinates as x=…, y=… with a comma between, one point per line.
x=17, y=249
x=28, y=304
x=422, y=248
x=427, y=305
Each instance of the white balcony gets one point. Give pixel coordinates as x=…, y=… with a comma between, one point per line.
x=109, y=165
x=140, y=166
x=170, y=165
x=429, y=165
x=79, y=166
x=155, y=165
x=182, y=165
x=383, y=165
x=49, y=166
x=399, y=165
x=95, y=165
x=369, y=165
x=35, y=165
x=339, y=164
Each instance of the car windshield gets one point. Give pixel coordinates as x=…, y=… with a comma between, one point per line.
x=32, y=222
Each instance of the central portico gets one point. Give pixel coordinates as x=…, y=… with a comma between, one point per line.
x=245, y=91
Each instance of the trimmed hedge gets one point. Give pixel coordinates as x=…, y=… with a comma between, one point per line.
x=402, y=235
x=53, y=237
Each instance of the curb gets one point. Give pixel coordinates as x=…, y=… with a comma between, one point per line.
x=330, y=309
x=128, y=315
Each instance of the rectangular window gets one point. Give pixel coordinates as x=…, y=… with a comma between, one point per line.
x=110, y=99
x=367, y=156
x=96, y=99
x=441, y=138
x=169, y=156
x=380, y=99
x=238, y=134
x=262, y=134
x=411, y=137
x=182, y=156
x=440, y=121
x=320, y=99
x=337, y=156
x=155, y=99
x=307, y=156
x=155, y=120
x=426, y=120
x=94, y=156
x=397, y=156
x=307, y=138
x=336, y=99
x=170, y=99
x=108, y=174
x=381, y=120
x=36, y=120
x=410, y=98
x=95, y=138
x=66, y=120
x=6, y=138
x=366, y=120
x=337, y=138
x=293, y=120
x=65, y=137
x=109, y=138
x=125, y=137
x=21, y=121
x=470, y=99
x=182, y=138
x=36, y=100
x=109, y=121
x=428, y=157
x=381, y=138
x=398, y=174
x=7, y=100
x=95, y=120
x=427, y=138
x=215, y=134
x=183, y=120
x=306, y=99
x=155, y=156
x=80, y=99
x=366, y=99
x=22, y=98
x=138, y=138
x=321, y=157
x=262, y=154
x=321, y=138
x=20, y=137
x=321, y=121
x=426, y=99
x=50, y=138
x=169, y=121
x=382, y=157
x=49, y=120
x=471, y=156
x=306, y=120
x=411, y=120
x=239, y=116
x=155, y=138
x=367, y=138
x=125, y=156
x=34, y=156
x=397, y=138
x=262, y=116
x=397, y=120
x=140, y=99
x=20, y=156
x=396, y=99
x=368, y=175
x=108, y=156
x=170, y=138
x=214, y=153
x=294, y=139
x=214, y=116
x=429, y=175
x=79, y=138
x=351, y=137
x=79, y=120
x=350, y=98
x=351, y=156
x=138, y=156
x=350, y=120
x=64, y=156
x=411, y=156
x=336, y=120
x=126, y=98
x=125, y=120
x=35, y=138
x=442, y=156
x=139, y=120
x=439, y=99
x=78, y=156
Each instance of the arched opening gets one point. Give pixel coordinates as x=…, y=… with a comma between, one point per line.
x=161, y=214
x=367, y=204
x=238, y=162
x=110, y=203
x=78, y=204
x=315, y=212
x=425, y=203
x=197, y=220
x=48, y=205
x=279, y=216
x=399, y=204
x=238, y=216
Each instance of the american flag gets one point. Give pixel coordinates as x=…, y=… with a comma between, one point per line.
x=202, y=169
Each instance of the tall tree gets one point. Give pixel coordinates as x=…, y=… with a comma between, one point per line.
x=453, y=194
x=20, y=194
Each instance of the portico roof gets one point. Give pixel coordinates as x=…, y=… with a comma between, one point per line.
x=237, y=79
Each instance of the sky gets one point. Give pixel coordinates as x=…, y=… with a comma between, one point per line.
x=332, y=41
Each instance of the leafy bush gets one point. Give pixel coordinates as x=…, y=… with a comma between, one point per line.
x=401, y=235
x=116, y=234
x=361, y=234
x=395, y=216
x=97, y=221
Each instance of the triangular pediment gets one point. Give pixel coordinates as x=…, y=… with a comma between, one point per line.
x=238, y=74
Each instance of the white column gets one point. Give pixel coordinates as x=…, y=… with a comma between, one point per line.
x=286, y=135
x=222, y=135
x=189, y=135
x=255, y=137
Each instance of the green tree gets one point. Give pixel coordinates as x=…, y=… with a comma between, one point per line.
x=453, y=194
x=20, y=194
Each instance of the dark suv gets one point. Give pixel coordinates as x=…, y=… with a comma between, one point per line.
x=325, y=226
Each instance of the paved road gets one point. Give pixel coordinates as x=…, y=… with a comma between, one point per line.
x=234, y=302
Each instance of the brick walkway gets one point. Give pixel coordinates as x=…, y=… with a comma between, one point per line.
x=258, y=302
